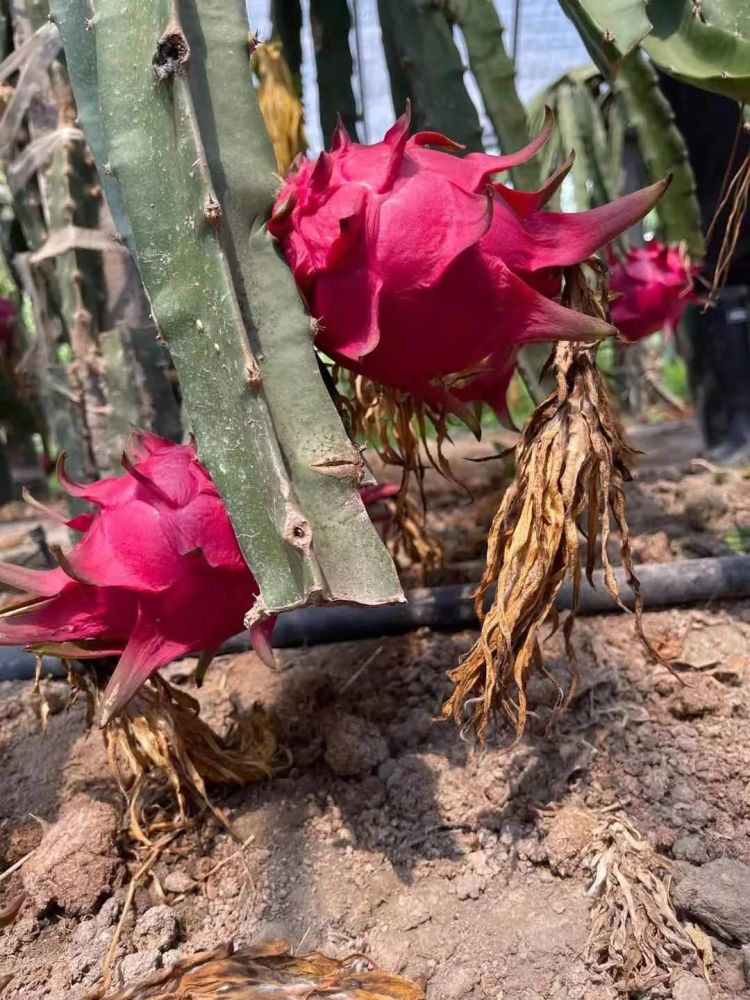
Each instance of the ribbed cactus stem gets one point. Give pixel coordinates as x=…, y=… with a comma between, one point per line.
x=425, y=66
x=286, y=18
x=663, y=150
x=495, y=73
x=73, y=199
x=331, y=23
x=188, y=149
x=138, y=389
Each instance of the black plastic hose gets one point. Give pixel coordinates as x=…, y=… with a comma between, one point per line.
x=451, y=608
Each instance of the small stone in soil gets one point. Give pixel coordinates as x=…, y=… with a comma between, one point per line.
x=570, y=833
x=75, y=863
x=691, y=848
x=135, y=967
x=178, y=882
x=690, y=988
x=718, y=895
x=156, y=928
x=354, y=746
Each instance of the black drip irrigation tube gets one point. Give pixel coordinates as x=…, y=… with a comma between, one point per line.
x=451, y=609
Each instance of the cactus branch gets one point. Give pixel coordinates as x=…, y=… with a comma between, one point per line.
x=702, y=43
x=663, y=150
x=331, y=23
x=495, y=73
x=423, y=61
x=187, y=146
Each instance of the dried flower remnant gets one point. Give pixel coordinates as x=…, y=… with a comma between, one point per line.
x=269, y=970
x=571, y=463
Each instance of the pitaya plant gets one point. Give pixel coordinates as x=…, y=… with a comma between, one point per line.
x=425, y=274
x=173, y=120
x=651, y=285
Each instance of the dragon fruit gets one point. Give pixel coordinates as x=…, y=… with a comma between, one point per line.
x=7, y=320
x=157, y=573
x=654, y=283
x=426, y=274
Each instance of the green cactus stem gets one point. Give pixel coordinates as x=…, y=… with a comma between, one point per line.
x=188, y=149
x=331, y=23
x=286, y=18
x=425, y=66
x=73, y=199
x=136, y=398
x=495, y=73
x=663, y=150
x=704, y=43
x=70, y=287
x=29, y=109
x=609, y=28
x=49, y=380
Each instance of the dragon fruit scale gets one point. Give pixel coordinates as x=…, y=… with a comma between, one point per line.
x=425, y=273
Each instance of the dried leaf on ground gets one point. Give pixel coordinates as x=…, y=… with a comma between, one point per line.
x=160, y=741
x=397, y=426
x=635, y=938
x=270, y=972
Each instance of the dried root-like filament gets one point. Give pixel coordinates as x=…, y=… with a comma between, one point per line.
x=396, y=425
x=159, y=742
x=571, y=463
x=279, y=104
x=635, y=938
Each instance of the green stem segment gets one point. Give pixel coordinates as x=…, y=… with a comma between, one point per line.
x=331, y=23
x=187, y=146
x=286, y=17
x=73, y=198
x=663, y=150
x=495, y=73
x=425, y=66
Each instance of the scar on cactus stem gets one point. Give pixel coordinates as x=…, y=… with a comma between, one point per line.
x=571, y=463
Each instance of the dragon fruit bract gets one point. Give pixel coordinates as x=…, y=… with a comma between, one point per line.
x=654, y=283
x=426, y=274
x=157, y=574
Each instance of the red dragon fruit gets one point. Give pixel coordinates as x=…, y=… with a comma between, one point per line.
x=7, y=321
x=426, y=274
x=157, y=573
x=654, y=283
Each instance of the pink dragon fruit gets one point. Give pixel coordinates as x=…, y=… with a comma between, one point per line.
x=157, y=574
x=654, y=283
x=426, y=274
